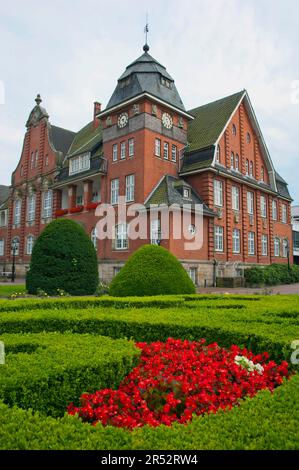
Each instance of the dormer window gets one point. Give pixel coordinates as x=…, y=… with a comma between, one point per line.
x=80, y=163
x=125, y=82
x=186, y=193
x=165, y=82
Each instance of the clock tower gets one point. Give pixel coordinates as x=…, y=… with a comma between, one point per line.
x=144, y=129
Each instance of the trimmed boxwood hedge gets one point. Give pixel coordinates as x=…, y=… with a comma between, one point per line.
x=47, y=371
x=267, y=421
x=272, y=275
x=64, y=258
x=151, y=270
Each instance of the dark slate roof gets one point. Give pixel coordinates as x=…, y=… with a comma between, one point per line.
x=282, y=187
x=4, y=193
x=86, y=140
x=170, y=191
x=144, y=75
x=61, y=138
x=204, y=131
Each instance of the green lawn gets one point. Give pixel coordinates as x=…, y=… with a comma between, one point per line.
x=8, y=290
x=58, y=348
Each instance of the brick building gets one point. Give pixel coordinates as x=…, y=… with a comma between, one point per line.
x=146, y=147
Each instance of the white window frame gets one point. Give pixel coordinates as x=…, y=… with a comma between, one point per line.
x=174, y=153
x=274, y=210
x=121, y=237
x=236, y=241
x=123, y=150
x=131, y=147
x=247, y=167
x=250, y=202
x=218, y=154
x=264, y=245
x=158, y=147
x=114, y=152
x=17, y=211
x=155, y=231
x=130, y=188
x=263, y=202
x=219, y=238
x=284, y=216
x=47, y=204
x=251, y=169
x=31, y=208
x=114, y=191
x=232, y=161
x=2, y=246
x=166, y=151
x=29, y=244
x=277, y=247
x=218, y=193
x=237, y=162
x=285, y=245
x=79, y=163
x=251, y=243
x=193, y=274
x=235, y=198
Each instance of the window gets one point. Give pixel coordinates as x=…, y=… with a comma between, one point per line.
x=46, y=160
x=114, y=191
x=3, y=218
x=158, y=148
x=116, y=270
x=95, y=196
x=93, y=237
x=114, y=152
x=155, y=232
x=251, y=169
x=173, y=153
x=218, y=238
x=130, y=188
x=22, y=170
x=247, y=167
x=262, y=174
x=235, y=198
x=122, y=150
x=29, y=244
x=17, y=214
x=218, y=154
x=248, y=138
x=263, y=207
x=166, y=150
x=186, y=193
x=284, y=213
x=236, y=241
x=234, y=130
x=31, y=208
x=1, y=247
x=237, y=162
x=193, y=275
x=218, y=193
x=47, y=204
x=232, y=160
x=295, y=240
x=274, y=210
x=32, y=160
x=276, y=247
x=285, y=245
x=79, y=200
x=121, y=237
x=264, y=245
x=80, y=163
x=16, y=242
x=131, y=147
x=251, y=243
x=250, y=202
x=36, y=159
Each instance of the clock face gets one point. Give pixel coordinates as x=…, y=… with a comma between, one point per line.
x=167, y=120
x=123, y=119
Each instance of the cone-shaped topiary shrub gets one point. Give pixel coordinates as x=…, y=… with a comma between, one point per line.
x=63, y=258
x=151, y=270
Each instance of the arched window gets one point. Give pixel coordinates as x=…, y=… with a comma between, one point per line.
x=16, y=244
x=121, y=237
x=31, y=208
x=247, y=167
x=29, y=244
x=251, y=169
x=234, y=130
x=237, y=162
x=218, y=154
x=232, y=160
x=248, y=138
x=47, y=204
x=94, y=239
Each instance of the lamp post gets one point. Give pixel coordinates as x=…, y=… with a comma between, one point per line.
x=288, y=255
x=14, y=246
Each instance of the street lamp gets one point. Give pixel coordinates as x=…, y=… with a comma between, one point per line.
x=288, y=255
x=14, y=247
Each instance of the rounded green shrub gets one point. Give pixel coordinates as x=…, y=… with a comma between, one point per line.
x=151, y=270
x=63, y=260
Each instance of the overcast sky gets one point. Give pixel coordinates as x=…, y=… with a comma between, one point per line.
x=73, y=51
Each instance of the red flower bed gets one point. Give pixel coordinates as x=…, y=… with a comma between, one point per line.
x=177, y=379
x=92, y=205
x=75, y=209
x=61, y=212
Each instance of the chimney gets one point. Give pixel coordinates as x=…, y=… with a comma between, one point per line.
x=96, y=110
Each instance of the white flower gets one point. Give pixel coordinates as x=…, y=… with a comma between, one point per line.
x=248, y=364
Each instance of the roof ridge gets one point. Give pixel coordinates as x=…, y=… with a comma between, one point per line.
x=63, y=129
x=217, y=101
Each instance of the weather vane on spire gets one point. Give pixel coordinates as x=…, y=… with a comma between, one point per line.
x=146, y=30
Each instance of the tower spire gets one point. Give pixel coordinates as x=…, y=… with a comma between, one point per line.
x=146, y=30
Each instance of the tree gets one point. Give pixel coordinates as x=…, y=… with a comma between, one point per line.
x=151, y=270
x=63, y=258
